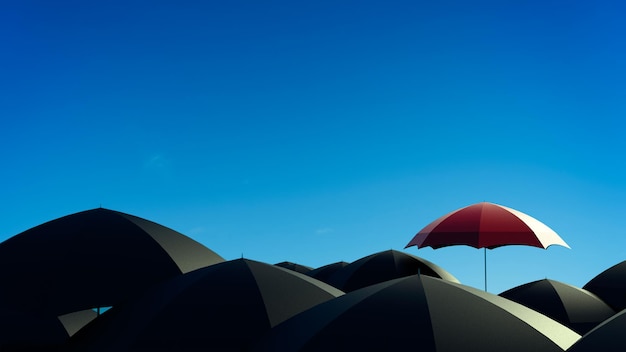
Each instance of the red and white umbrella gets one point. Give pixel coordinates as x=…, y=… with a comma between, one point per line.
x=486, y=225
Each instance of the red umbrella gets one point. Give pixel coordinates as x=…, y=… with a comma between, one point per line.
x=486, y=225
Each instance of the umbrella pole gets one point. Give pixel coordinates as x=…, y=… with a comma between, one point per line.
x=485, y=261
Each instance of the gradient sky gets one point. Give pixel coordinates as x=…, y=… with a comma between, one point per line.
x=320, y=131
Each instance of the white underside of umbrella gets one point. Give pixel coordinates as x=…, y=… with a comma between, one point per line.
x=545, y=235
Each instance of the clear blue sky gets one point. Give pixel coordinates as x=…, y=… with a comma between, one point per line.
x=319, y=131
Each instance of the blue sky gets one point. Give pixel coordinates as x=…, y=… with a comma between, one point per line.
x=319, y=131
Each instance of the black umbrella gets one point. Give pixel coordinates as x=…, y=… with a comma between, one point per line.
x=383, y=266
x=223, y=307
x=95, y=258
x=573, y=307
x=418, y=313
x=610, y=286
x=323, y=273
x=29, y=331
x=295, y=267
x=606, y=337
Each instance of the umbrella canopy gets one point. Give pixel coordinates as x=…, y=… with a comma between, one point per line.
x=610, y=286
x=303, y=269
x=95, y=258
x=576, y=308
x=323, y=273
x=29, y=331
x=606, y=337
x=383, y=266
x=486, y=225
x=223, y=307
x=421, y=313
